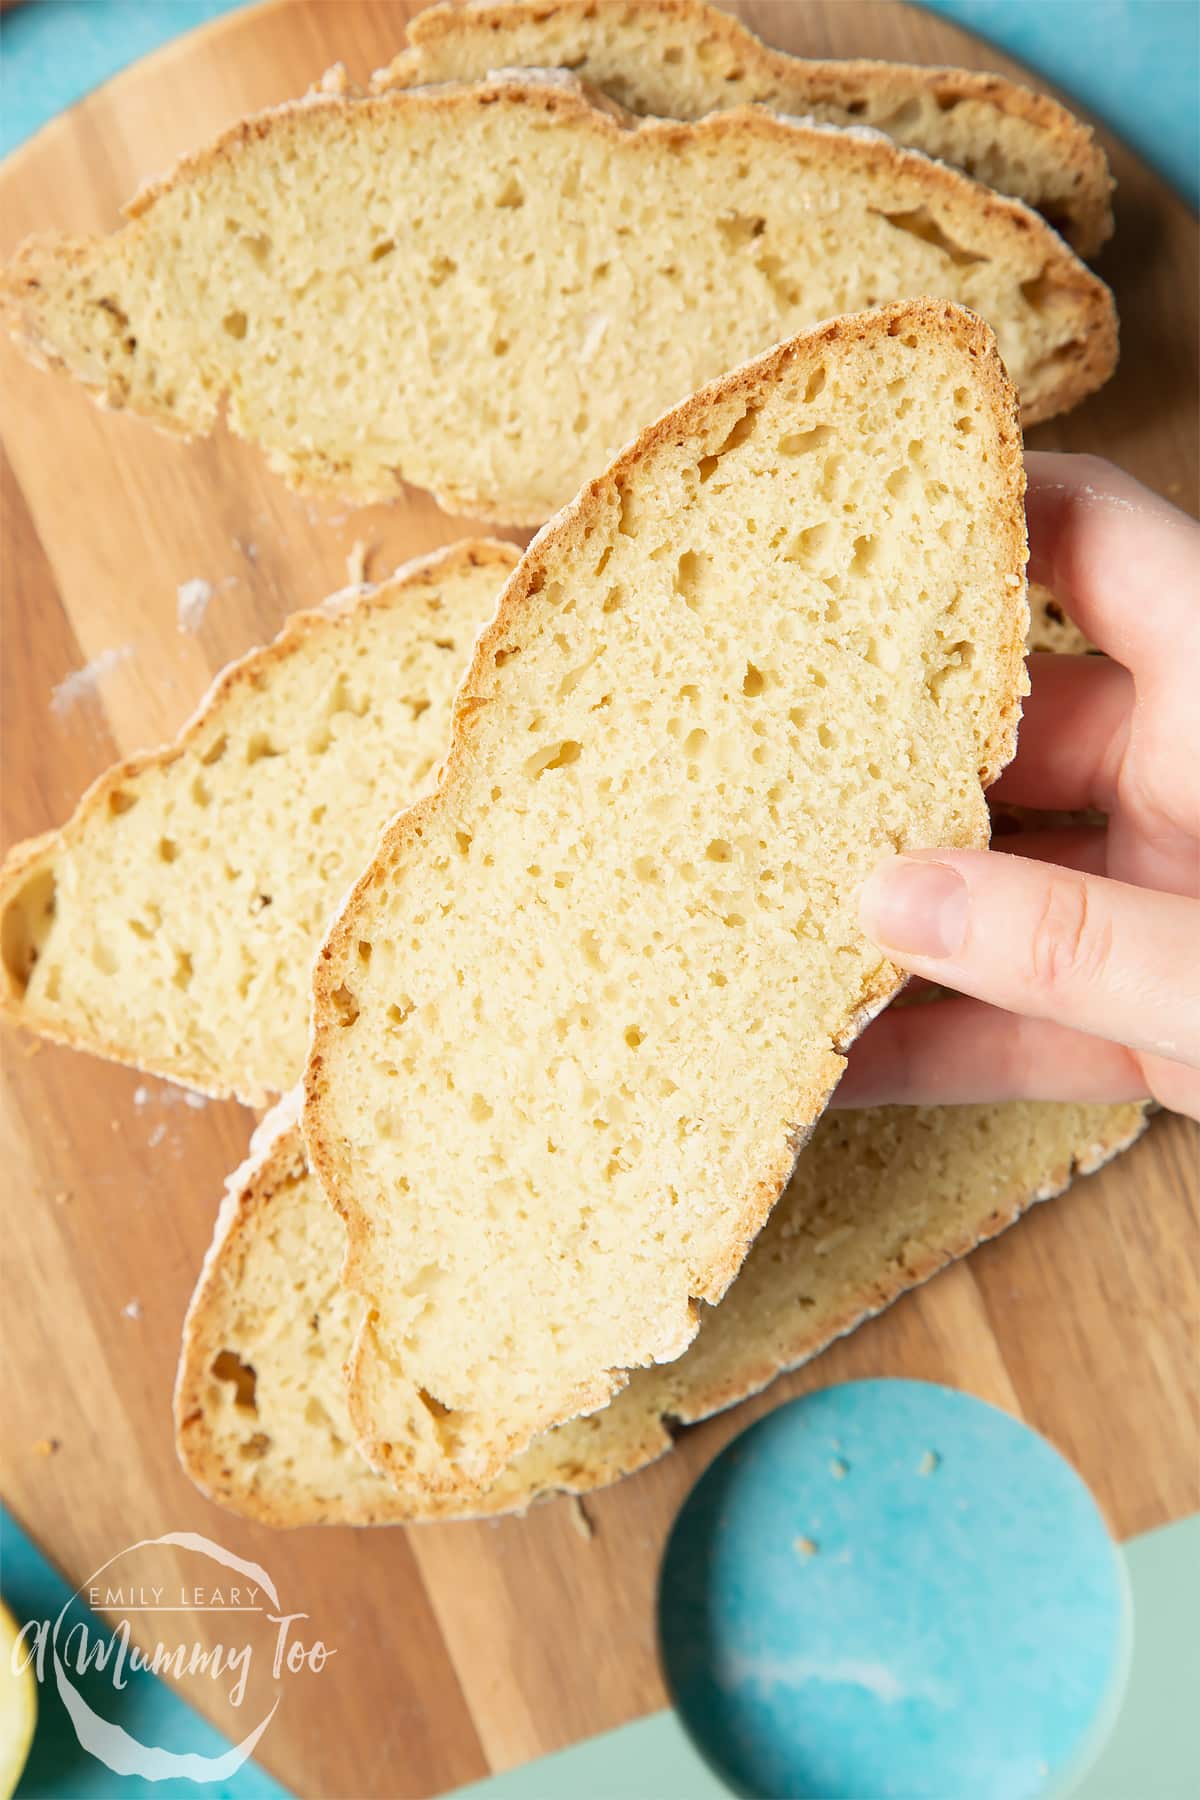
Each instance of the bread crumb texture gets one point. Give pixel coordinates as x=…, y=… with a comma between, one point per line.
x=682, y=59
x=172, y=922
x=879, y=1201
x=592, y=996
x=486, y=290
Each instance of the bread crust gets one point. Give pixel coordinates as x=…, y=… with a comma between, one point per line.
x=929, y=318
x=1080, y=366
x=1086, y=216
x=247, y=672
x=279, y=1156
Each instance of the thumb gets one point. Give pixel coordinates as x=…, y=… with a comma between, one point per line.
x=1119, y=962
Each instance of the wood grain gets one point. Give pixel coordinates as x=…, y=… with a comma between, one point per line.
x=459, y=1648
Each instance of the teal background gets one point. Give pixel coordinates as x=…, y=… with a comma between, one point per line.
x=1135, y=63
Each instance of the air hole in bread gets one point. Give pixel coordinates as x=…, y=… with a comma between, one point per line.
x=810, y=544
x=260, y=747
x=215, y=751
x=120, y=801
x=345, y=1005
x=235, y=323
x=379, y=251
x=920, y=223
x=798, y=443
x=553, y=756
x=902, y=118
x=688, y=576
x=737, y=229
x=1039, y=290
x=228, y=1366
x=28, y=919
x=433, y=1406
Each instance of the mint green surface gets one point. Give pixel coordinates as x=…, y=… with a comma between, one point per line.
x=1153, y=1753
x=651, y=1759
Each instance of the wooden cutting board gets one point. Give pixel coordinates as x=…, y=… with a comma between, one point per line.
x=458, y=1648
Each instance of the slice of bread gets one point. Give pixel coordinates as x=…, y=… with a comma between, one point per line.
x=172, y=922
x=880, y=1200
x=888, y=1196
x=422, y=623
x=681, y=59
x=577, y=1017
x=487, y=290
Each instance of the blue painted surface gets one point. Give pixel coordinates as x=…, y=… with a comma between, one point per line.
x=147, y=1708
x=892, y=1588
x=1135, y=63
x=53, y=52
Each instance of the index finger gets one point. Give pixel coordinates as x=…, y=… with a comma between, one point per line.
x=1124, y=563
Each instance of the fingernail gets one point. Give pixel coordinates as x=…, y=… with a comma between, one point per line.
x=915, y=908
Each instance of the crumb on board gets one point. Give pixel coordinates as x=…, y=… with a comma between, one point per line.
x=83, y=685
x=580, y=1520
x=32, y=1046
x=839, y=1468
x=62, y=1197
x=168, y=1095
x=358, y=561
x=929, y=1463
x=805, y=1547
x=47, y=1446
x=132, y=1309
x=191, y=603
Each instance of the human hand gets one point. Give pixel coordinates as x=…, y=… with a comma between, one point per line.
x=1080, y=953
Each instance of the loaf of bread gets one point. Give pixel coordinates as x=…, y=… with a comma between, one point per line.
x=592, y=995
x=681, y=59
x=487, y=290
x=879, y=1201
x=172, y=922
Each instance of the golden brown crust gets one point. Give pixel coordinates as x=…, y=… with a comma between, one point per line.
x=1080, y=367
x=1086, y=220
x=246, y=672
x=925, y=317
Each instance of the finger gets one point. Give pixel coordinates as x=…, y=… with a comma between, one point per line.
x=1122, y=561
x=1120, y=962
x=1074, y=727
x=1082, y=847
x=962, y=1052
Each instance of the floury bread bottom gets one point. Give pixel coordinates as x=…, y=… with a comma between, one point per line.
x=881, y=1199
